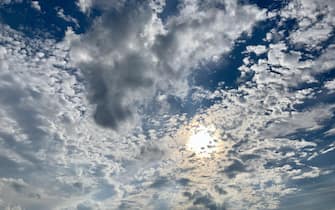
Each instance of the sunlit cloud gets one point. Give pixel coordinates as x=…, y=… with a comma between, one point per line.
x=201, y=142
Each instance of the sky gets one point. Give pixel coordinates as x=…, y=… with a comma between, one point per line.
x=167, y=104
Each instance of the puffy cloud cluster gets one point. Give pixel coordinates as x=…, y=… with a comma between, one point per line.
x=315, y=22
x=37, y=102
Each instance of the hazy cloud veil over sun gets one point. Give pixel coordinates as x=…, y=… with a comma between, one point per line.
x=167, y=104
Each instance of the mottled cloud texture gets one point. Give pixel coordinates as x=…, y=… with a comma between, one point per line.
x=98, y=119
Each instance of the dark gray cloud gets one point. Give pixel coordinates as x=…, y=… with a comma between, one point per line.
x=118, y=71
x=202, y=200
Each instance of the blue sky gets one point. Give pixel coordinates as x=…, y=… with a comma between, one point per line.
x=167, y=104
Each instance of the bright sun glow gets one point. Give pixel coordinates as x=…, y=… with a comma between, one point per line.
x=201, y=142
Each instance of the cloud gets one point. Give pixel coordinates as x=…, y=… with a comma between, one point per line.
x=52, y=95
x=330, y=85
x=259, y=49
x=316, y=194
x=120, y=73
x=84, y=5
x=35, y=103
x=255, y=121
x=314, y=20
x=36, y=5
x=127, y=67
x=68, y=18
x=307, y=120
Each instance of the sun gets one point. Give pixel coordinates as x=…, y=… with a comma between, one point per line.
x=201, y=142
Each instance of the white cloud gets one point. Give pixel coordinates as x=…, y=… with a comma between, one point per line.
x=308, y=120
x=36, y=5
x=330, y=85
x=259, y=49
x=68, y=18
x=315, y=21
x=330, y=132
x=84, y=5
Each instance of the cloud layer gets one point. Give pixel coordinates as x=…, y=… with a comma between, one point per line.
x=90, y=122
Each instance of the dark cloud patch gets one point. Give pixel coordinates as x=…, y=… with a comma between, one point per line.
x=233, y=169
x=106, y=191
x=151, y=152
x=126, y=204
x=117, y=71
x=184, y=181
x=220, y=190
x=8, y=167
x=84, y=207
x=201, y=201
x=160, y=182
x=18, y=187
